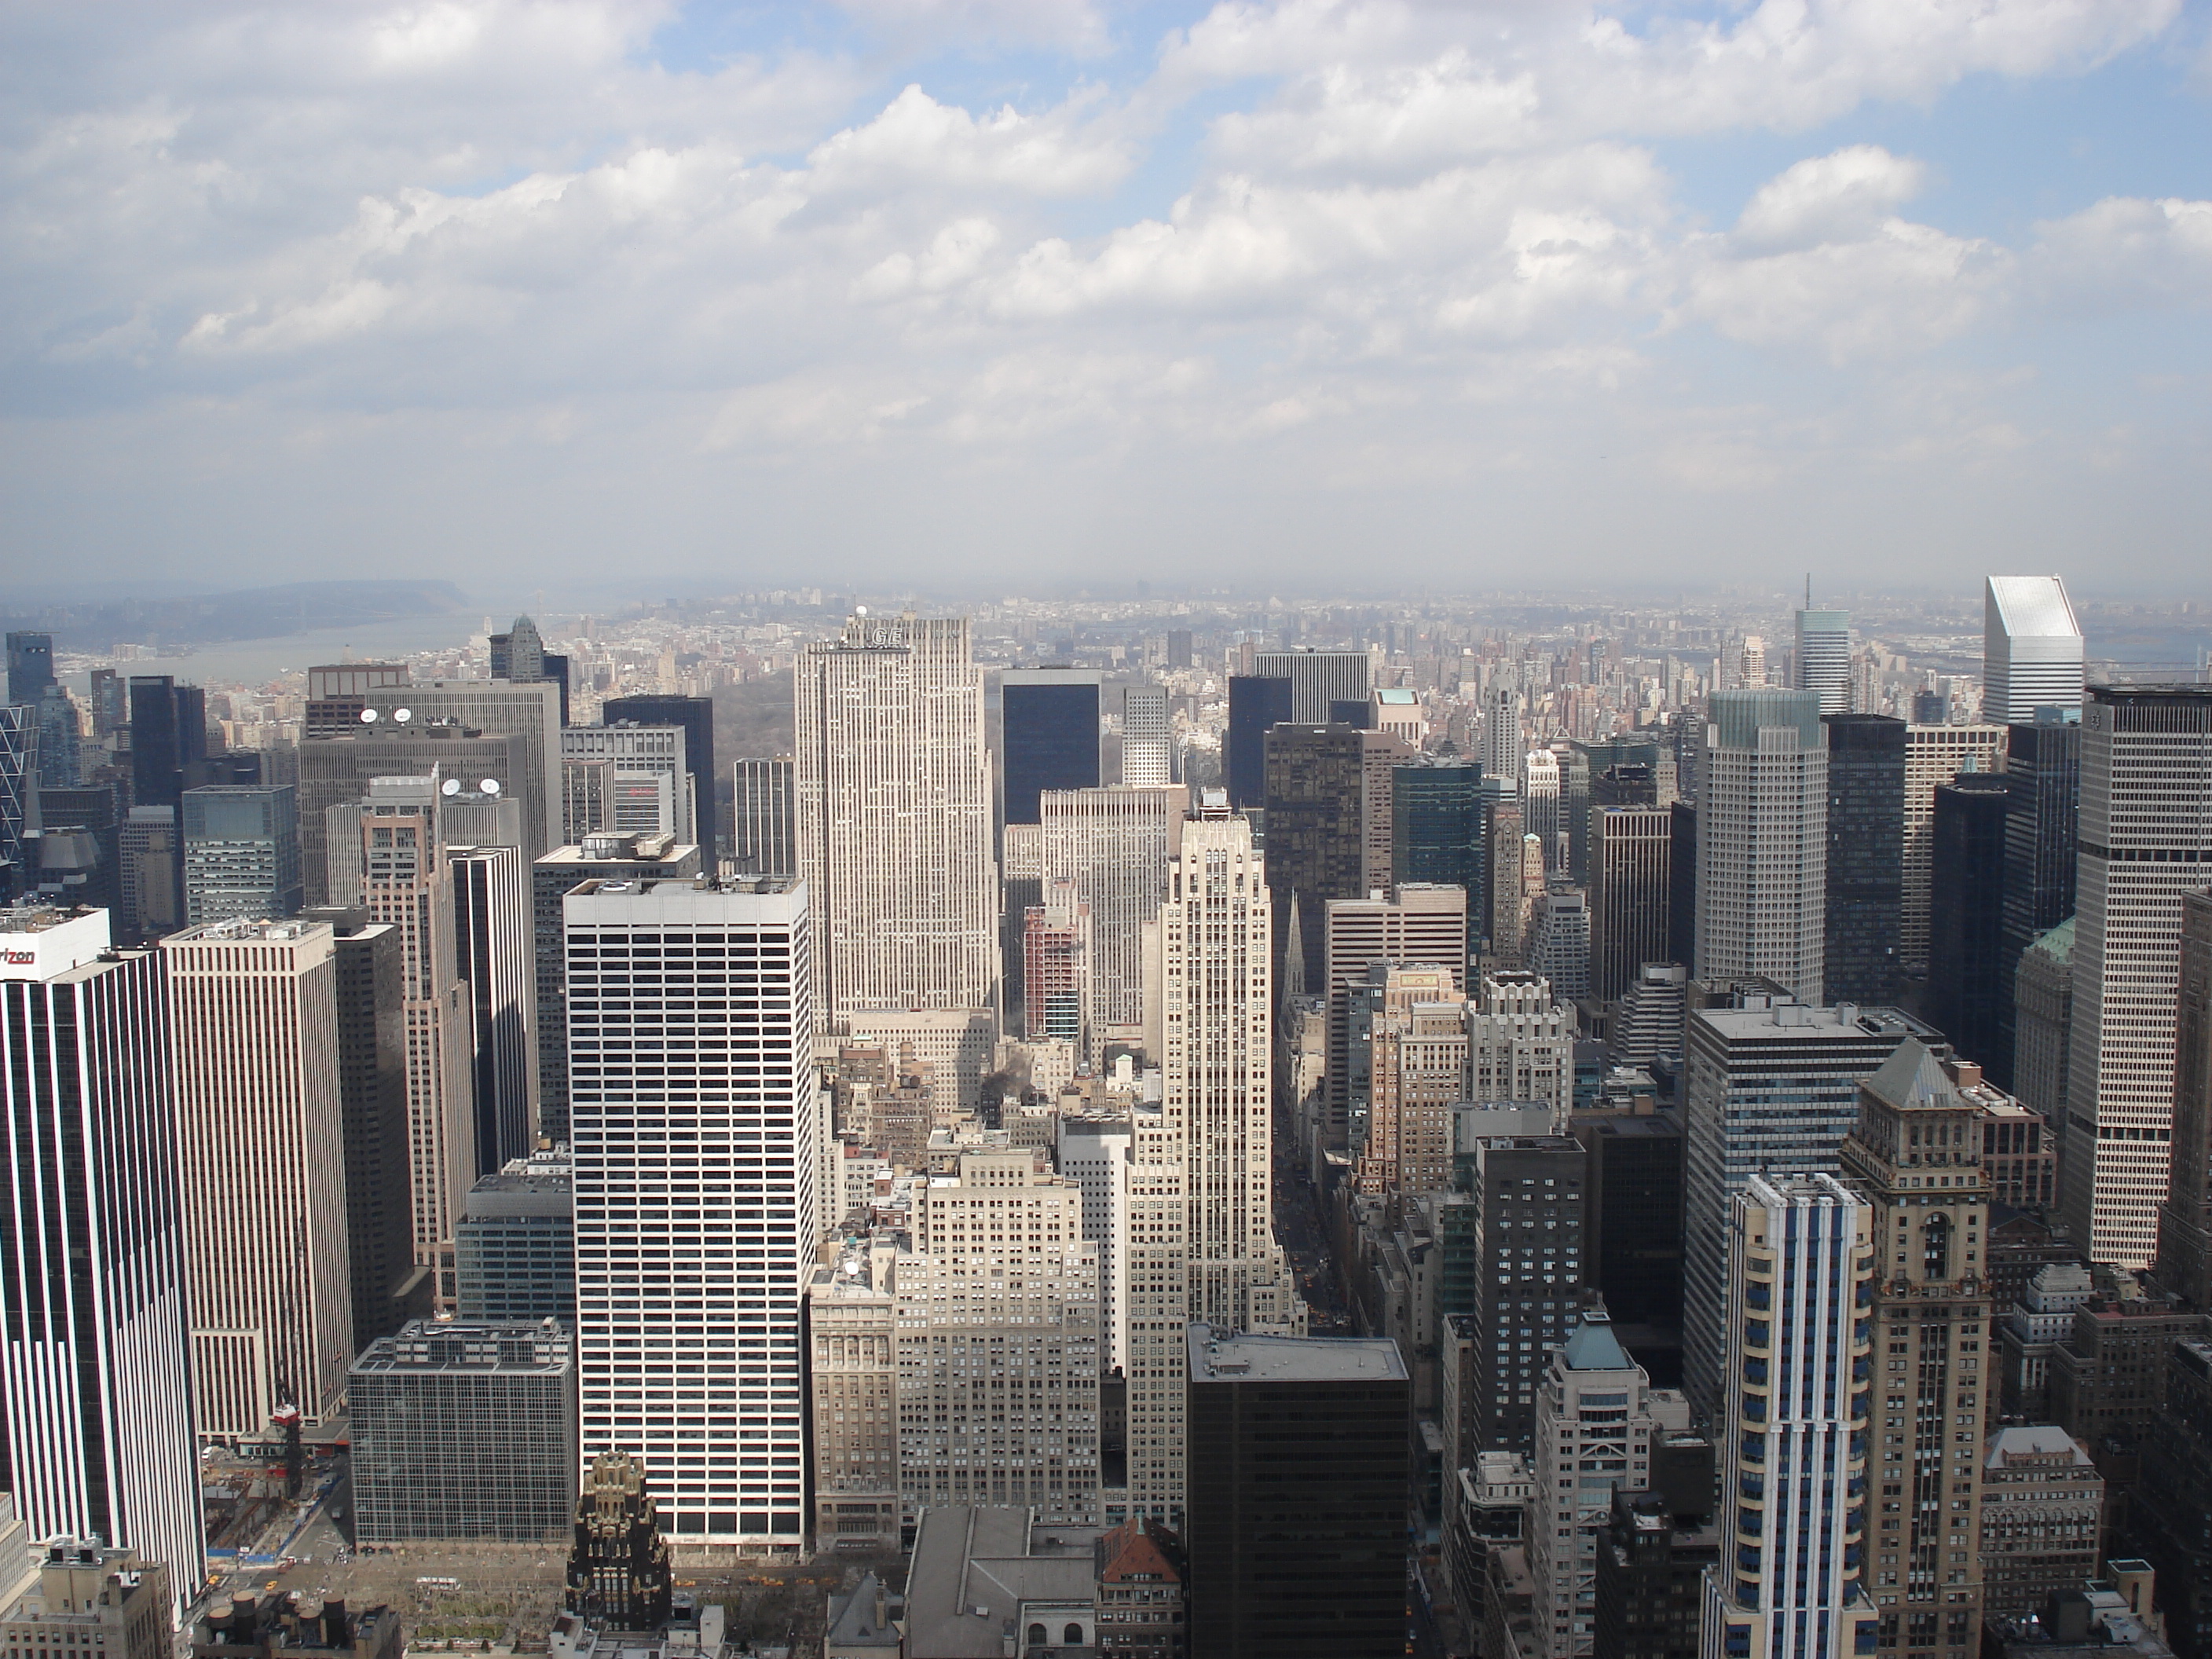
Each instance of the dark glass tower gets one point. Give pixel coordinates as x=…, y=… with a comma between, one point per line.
x=696, y=716
x=1255, y=704
x=1048, y=735
x=1965, y=921
x=1317, y=823
x=1682, y=882
x=1435, y=824
x=2042, y=776
x=168, y=732
x=1866, y=857
x=30, y=666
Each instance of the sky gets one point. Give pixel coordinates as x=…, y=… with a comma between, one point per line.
x=608, y=295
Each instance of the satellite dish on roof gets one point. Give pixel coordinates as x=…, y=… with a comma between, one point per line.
x=859, y=610
x=403, y=716
x=369, y=717
x=450, y=787
x=489, y=786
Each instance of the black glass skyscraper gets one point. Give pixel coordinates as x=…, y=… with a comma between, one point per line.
x=1048, y=735
x=30, y=666
x=1866, y=857
x=1435, y=823
x=1255, y=702
x=2043, y=794
x=168, y=732
x=696, y=716
x=1966, y=917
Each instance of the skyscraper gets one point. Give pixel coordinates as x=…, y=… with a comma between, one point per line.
x=1147, y=740
x=1048, y=735
x=1317, y=679
x=646, y=764
x=388, y=1289
x=1916, y=1154
x=1792, y=1575
x=521, y=654
x=2146, y=838
x=255, y=1047
x=1502, y=748
x=690, y=1130
x=998, y=1342
x=2043, y=799
x=2185, y=1221
x=766, y=840
x=2031, y=649
x=19, y=793
x=1415, y=923
x=1255, y=706
x=1769, y=1086
x=1631, y=859
x=99, y=1427
x=1116, y=845
x=30, y=666
x=1328, y=820
x=242, y=853
x=527, y=713
x=1598, y=1418
x=336, y=772
x=1530, y=1216
x=492, y=951
x=893, y=793
x=404, y=879
x=1762, y=835
x=1934, y=755
x=1966, y=977
x=168, y=732
x=1824, y=658
x=1436, y=828
x=1200, y=1177
x=1056, y=968
x=1865, y=894
x=696, y=716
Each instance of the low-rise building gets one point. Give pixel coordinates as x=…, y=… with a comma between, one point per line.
x=464, y=1430
x=515, y=1247
x=1143, y=1610
x=295, y=1627
x=1651, y=1562
x=2043, y=1506
x=89, y=1601
x=2033, y=1332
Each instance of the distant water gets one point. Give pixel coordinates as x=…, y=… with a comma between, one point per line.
x=256, y=662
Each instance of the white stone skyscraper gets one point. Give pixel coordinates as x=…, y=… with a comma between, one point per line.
x=2031, y=649
x=1201, y=1180
x=95, y=1372
x=892, y=803
x=254, y=1046
x=1762, y=840
x=2145, y=840
x=691, y=1136
x=1824, y=658
x=1502, y=748
x=1114, y=845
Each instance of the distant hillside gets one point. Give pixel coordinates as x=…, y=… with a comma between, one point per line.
x=250, y=613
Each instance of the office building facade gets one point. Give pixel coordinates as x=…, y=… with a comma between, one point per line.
x=2185, y=1219
x=1631, y=862
x=1115, y=845
x=1147, y=738
x=254, y=1056
x=1824, y=658
x=1529, y=1236
x=1866, y=857
x=515, y=1247
x=893, y=793
x=1049, y=736
x=1934, y=755
x=493, y=951
x=100, y=1425
x=1256, y=706
x=2043, y=805
x=852, y=1379
x=1318, y=680
x=1297, y=1497
x=695, y=715
x=691, y=1131
x=2146, y=840
x=765, y=842
x=1792, y=1575
x=464, y=1430
x=1966, y=977
x=1762, y=841
x=241, y=853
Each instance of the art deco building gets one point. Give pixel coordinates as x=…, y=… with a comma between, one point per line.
x=893, y=799
x=1916, y=1156
x=1200, y=1175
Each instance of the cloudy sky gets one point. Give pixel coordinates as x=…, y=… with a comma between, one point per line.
x=1044, y=292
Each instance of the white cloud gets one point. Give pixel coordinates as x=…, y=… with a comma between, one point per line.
x=1841, y=197
x=2125, y=250
x=917, y=140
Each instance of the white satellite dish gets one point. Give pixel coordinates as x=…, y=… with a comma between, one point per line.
x=403, y=716
x=859, y=610
x=489, y=786
x=450, y=787
x=369, y=717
